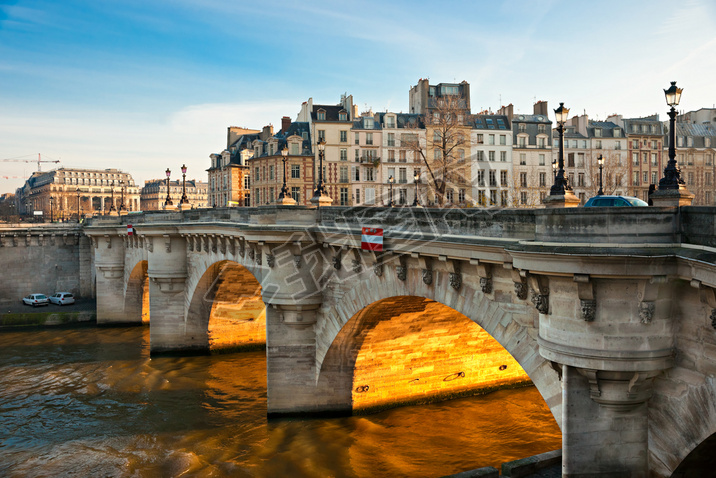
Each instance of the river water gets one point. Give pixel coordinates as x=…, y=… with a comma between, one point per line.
x=90, y=402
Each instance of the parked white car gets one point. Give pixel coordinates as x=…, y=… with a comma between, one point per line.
x=62, y=298
x=35, y=300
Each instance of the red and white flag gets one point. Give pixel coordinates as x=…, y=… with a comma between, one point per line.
x=130, y=229
x=372, y=239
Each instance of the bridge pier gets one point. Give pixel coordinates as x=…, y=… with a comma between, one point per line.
x=109, y=261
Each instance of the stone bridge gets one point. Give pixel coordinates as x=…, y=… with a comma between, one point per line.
x=609, y=312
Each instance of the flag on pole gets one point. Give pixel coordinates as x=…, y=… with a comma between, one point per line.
x=130, y=229
x=372, y=239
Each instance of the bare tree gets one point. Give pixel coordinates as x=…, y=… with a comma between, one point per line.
x=443, y=153
x=614, y=173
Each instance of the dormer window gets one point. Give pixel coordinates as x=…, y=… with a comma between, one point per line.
x=321, y=115
x=390, y=121
x=368, y=123
x=617, y=132
x=294, y=149
x=598, y=132
x=343, y=116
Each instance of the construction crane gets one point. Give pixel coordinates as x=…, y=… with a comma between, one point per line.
x=38, y=160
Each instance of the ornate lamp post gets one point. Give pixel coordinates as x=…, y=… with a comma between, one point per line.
x=600, y=161
x=416, y=178
x=319, y=195
x=561, y=183
x=184, y=199
x=168, y=200
x=390, y=193
x=672, y=174
x=284, y=188
x=79, y=209
x=111, y=204
x=52, y=200
x=121, y=190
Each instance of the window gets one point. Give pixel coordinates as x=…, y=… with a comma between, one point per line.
x=479, y=139
x=390, y=121
x=296, y=194
x=271, y=176
x=357, y=196
x=461, y=155
x=480, y=177
x=580, y=180
x=491, y=155
x=343, y=174
x=321, y=134
x=344, y=136
x=653, y=177
x=540, y=128
x=493, y=180
x=391, y=155
x=635, y=159
x=570, y=160
x=403, y=157
x=503, y=198
x=258, y=174
x=369, y=175
x=403, y=194
x=503, y=156
x=542, y=143
x=357, y=155
x=503, y=178
x=295, y=171
x=368, y=123
x=542, y=179
x=541, y=159
x=521, y=127
x=491, y=139
x=391, y=139
x=357, y=138
x=618, y=145
x=654, y=159
x=294, y=149
x=503, y=139
x=480, y=155
x=646, y=177
x=493, y=197
x=635, y=178
x=598, y=144
x=342, y=116
x=369, y=138
x=344, y=196
x=344, y=154
x=523, y=159
x=355, y=173
x=270, y=198
x=707, y=179
x=449, y=195
x=522, y=141
x=523, y=180
x=461, y=195
x=523, y=198
x=691, y=179
x=321, y=115
x=403, y=175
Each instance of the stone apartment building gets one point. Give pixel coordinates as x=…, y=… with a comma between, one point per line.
x=74, y=190
x=695, y=157
x=368, y=181
x=532, y=170
x=229, y=179
x=153, y=195
x=266, y=164
x=445, y=109
x=332, y=124
x=402, y=135
x=491, y=160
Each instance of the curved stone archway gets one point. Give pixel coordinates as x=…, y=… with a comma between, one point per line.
x=226, y=310
x=136, y=294
x=408, y=350
x=510, y=323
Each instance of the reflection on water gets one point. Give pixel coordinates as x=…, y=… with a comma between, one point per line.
x=90, y=402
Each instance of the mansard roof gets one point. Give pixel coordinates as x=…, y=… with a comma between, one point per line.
x=490, y=122
x=332, y=112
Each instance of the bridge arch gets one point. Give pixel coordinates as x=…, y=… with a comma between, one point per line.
x=509, y=325
x=136, y=294
x=226, y=309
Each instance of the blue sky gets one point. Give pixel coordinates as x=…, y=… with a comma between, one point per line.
x=146, y=85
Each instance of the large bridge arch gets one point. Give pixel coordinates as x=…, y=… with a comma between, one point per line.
x=512, y=323
x=136, y=294
x=225, y=308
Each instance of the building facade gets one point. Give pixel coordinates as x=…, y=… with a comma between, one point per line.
x=65, y=193
x=153, y=196
x=229, y=180
x=532, y=169
x=491, y=160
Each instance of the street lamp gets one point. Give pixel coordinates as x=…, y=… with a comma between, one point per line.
x=168, y=201
x=554, y=169
x=184, y=199
x=672, y=174
x=111, y=205
x=121, y=190
x=390, y=194
x=600, y=161
x=52, y=200
x=416, y=178
x=79, y=210
x=561, y=183
x=321, y=149
x=284, y=188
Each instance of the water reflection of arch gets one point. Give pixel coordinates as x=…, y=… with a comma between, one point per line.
x=511, y=325
x=226, y=309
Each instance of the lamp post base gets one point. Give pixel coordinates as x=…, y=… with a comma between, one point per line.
x=286, y=201
x=671, y=197
x=568, y=199
x=322, y=200
x=183, y=206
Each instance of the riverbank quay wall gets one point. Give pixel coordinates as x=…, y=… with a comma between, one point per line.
x=44, y=259
x=610, y=312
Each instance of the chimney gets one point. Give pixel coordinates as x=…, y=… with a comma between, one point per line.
x=540, y=108
x=285, y=123
x=507, y=111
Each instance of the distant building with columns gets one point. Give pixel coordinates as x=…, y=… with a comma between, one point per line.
x=154, y=193
x=73, y=190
